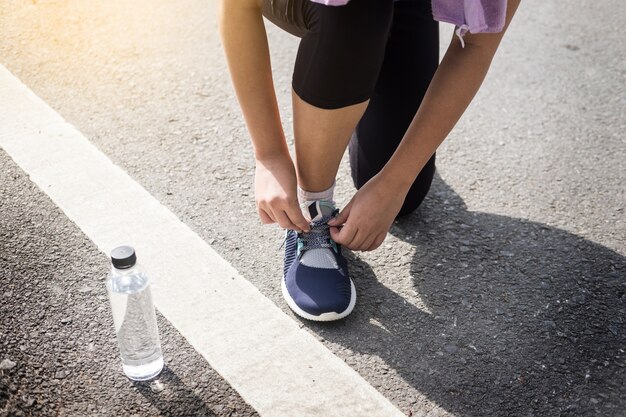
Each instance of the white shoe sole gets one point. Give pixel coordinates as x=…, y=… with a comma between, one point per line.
x=331, y=316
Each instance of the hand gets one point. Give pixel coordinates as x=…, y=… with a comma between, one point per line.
x=276, y=196
x=368, y=216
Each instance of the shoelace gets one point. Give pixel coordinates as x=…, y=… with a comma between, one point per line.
x=319, y=236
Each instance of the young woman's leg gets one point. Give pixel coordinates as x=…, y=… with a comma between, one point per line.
x=321, y=140
x=336, y=69
x=411, y=59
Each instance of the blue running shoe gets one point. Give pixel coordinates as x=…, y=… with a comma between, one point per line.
x=316, y=283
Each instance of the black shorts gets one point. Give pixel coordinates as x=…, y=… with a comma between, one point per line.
x=384, y=51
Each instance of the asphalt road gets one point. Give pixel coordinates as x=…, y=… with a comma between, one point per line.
x=57, y=331
x=504, y=295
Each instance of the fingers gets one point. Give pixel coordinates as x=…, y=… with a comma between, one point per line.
x=367, y=243
x=344, y=235
x=297, y=218
x=355, y=239
x=284, y=221
x=364, y=241
x=291, y=218
x=265, y=218
x=377, y=242
x=342, y=217
x=358, y=240
x=350, y=237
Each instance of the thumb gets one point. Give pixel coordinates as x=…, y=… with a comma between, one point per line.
x=343, y=235
x=342, y=217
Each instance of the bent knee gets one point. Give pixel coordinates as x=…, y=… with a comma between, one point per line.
x=341, y=56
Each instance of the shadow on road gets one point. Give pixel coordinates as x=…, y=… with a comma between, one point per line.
x=519, y=319
x=172, y=397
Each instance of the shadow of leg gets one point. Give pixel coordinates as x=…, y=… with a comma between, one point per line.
x=510, y=317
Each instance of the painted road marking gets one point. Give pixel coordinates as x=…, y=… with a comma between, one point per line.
x=277, y=367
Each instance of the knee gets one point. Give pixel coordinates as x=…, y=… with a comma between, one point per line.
x=340, y=57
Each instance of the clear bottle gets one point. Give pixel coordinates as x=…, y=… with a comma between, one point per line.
x=133, y=316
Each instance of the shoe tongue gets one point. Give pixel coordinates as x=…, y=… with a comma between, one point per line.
x=319, y=257
x=318, y=209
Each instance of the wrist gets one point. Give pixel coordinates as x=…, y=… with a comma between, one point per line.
x=397, y=178
x=270, y=157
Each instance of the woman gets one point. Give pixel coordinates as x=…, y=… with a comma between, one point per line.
x=366, y=76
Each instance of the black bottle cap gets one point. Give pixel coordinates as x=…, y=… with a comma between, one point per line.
x=123, y=257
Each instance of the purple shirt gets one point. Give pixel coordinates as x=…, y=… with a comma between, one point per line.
x=475, y=16
x=332, y=2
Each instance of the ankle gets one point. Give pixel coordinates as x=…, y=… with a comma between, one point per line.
x=326, y=195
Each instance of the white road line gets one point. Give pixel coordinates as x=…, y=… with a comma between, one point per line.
x=277, y=367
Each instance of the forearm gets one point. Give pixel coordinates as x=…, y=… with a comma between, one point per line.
x=247, y=52
x=451, y=90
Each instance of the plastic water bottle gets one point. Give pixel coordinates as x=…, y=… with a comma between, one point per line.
x=133, y=316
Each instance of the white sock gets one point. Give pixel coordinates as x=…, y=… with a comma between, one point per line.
x=326, y=195
x=307, y=199
x=322, y=257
